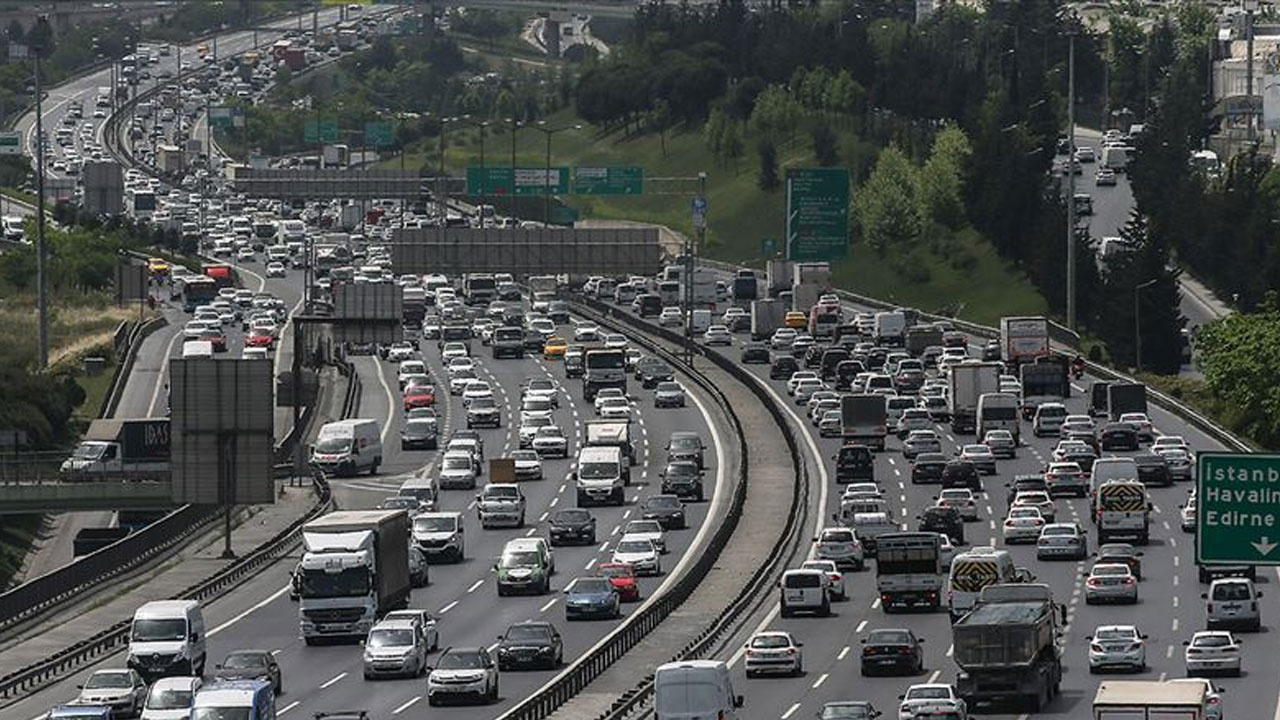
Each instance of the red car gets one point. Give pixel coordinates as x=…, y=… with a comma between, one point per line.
x=263, y=339
x=215, y=338
x=419, y=396
x=623, y=580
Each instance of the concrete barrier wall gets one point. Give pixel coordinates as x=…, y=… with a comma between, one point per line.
x=527, y=251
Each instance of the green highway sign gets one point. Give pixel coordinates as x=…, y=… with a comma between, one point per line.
x=1237, y=509
x=320, y=131
x=10, y=143
x=220, y=116
x=817, y=214
x=522, y=181
x=377, y=133
x=616, y=180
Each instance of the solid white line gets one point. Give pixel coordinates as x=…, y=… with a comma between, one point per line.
x=475, y=586
x=288, y=707
x=410, y=703
x=215, y=630
x=391, y=400
x=791, y=711
x=164, y=372
x=333, y=680
x=449, y=607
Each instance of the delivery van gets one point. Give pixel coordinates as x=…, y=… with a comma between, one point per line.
x=347, y=447
x=240, y=699
x=695, y=689
x=167, y=638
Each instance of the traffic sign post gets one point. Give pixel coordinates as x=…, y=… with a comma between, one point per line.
x=616, y=180
x=320, y=131
x=377, y=133
x=817, y=214
x=220, y=116
x=699, y=208
x=496, y=180
x=1238, y=509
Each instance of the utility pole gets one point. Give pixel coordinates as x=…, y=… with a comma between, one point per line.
x=690, y=264
x=42, y=289
x=1249, y=7
x=1071, y=180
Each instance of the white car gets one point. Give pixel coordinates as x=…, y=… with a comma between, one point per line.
x=837, y=588
x=717, y=335
x=170, y=698
x=640, y=553
x=648, y=529
x=528, y=464
x=1213, y=696
x=463, y=672
x=1170, y=441
x=670, y=317
x=459, y=380
x=529, y=424
x=1140, y=420
x=961, y=499
x=1212, y=651
x=604, y=394
x=475, y=390
x=275, y=270
x=453, y=351
x=615, y=409
x=782, y=338
x=806, y=388
x=410, y=367
x=1117, y=646
x=797, y=377
x=615, y=341
x=245, y=254
x=550, y=441
x=932, y=699
x=774, y=651
x=401, y=351
x=1038, y=499
x=1022, y=525
x=586, y=332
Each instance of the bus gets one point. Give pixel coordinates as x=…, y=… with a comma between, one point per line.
x=973, y=570
x=823, y=321
x=198, y=290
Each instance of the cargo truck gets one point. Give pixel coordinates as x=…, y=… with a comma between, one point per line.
x=132, y=449
x=746, y=287
x=967, y=382
x=909, y=570
x=1007, y=648
x=413, y=305
x=703, y=290
x=1047, y=379
x=863, y=420
x=1126, y=398
x=1150, y=700
x=612, y=433
x=354, y=568
x=766, y=316
x=778, y=277
x=1023, y=339
x=920, y=337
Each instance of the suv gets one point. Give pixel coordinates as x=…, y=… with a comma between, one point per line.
x=500, y=504
x=854, y=463
x=805, y=591
x=686, y=445
x=526, y=564
x=1048, y=419
x=840, y=545
x=461, y=673
x=508, y=341
x=530, y=644
x=944, y=520
x=683, y=478
x=961, y=474
x=928, y=468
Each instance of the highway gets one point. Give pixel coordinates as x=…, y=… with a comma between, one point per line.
x=1170, y=608
x=463, y=596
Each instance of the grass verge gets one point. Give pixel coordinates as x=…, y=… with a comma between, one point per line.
x=1197, y=395
x=17, y=532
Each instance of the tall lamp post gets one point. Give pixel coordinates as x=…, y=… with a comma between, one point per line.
x=1137, y=321
x=546, y=179
x=440, y=190
x=515, y=125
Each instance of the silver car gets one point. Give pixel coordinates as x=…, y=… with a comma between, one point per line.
x=1117, y=646
x=1001, y=442
x=1062, y=540
x=396, y=648
x=1110, y=582
x=921, y=441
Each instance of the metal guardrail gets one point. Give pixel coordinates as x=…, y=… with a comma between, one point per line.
x=110, y=639
x=581, y=673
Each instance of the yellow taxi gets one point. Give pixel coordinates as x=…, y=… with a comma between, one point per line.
x=157, y=267
x=554, y=347
x=795, y=319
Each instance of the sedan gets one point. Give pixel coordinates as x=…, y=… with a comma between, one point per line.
x=928, y=468
x=1146, y=433
x=755, y=352
x=615, y=409
x=1187, y=515
x=1104, y=177
x=931, y=700
x=623, y=579
x=1066, y=477
x=1022, y=525
x=1001, y=443
x=962, y=499
x=640, y=553
x=831, y=424
x=591, y=597
x=668, y=510
x=1178, y=461
x=1118, y=436
x=1110, y=582
x=892, y=652
x=419, y=433
x=121, y=690
x=920, y=442
x=670, y=317
x=418, y=396
x=1121, y=553
x=650, y=530
x=837, y=587
x=275, y=270
x=774, y=651
x=981, y=457
x=717, y=335
x=572, y=525
x=1062, y=540
x=782, y=338
x=1212, y=651
x=1117, y=646
x=1038, y=499
x=528, y=464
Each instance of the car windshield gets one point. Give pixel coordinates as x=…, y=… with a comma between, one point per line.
x=501, y=493
x=526, y=633
x=635, y=546
x=1059, y=531
x=244, y=660
x=592, y=585
x=837, y=536
x=572, y=517
x=668, y=387
x=169, y=699
x=221, y=713
x=1109, y=570
x=770, y=641
x=457, y=463
x=398, y=637
x=433, y=524
x=524, y=456
x=520, y=558
x=333, y=444
x=419, y=425
x=616, y=571
x=159, y=630
x=928, y=693
x=845, y=712
x=597, y=471
x=461, y=661
x=662, y=502
x=108, y=679
x=1232, y=591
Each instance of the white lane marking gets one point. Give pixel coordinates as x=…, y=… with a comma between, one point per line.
x=590, y=564
x=289, y=707
x=243, y=615
x=875, y=604
x=951, y=649
x=1175, y=625
x=164, y=373
x=604, y=546
x=616, y=529
x=861, y=625
x=543, y=517
x=408, y=704
x=1163, y=675
x=790, y=711
x=554, y=501
x=1175, y=601
x=821, y=679
x=332, y=680
x=475, y=586
x=547, y=607
x=934, y=677
x=1168, y=651
x=391, y=400
x=449, y=607
x=844, y=653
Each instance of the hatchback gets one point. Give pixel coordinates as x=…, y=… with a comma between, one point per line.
x=774, y=651
x=1210, y=651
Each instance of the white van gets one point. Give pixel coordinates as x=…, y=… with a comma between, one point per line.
x=973, y=570
x=999, y=411
x=804, y=591
x=1115, y=157
x=701, y=320
x=346, y=447
x=890, y=328
x=424, y=489
x=694, y=689
x=1107, y=469
x=602, y=476
x=197, y=349
x=167, y=638
x=1232, y=604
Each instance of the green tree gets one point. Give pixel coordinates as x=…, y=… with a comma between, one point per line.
x=887, y=206
x=713, y=133
x=825, y=143
x=942, y=178
x=767, y=177
x=660, y=120
x=843, y=94
x=733, y=146
x=776, y=113
x=1234, y=355
x=1141, y=282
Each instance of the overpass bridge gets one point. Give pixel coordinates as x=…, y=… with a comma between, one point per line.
x=57, y=496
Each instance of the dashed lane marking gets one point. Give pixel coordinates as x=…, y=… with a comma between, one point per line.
x=790, y=711
x=844, y=653
x=449, y=607
x=408, y=704
x=547, y=607
x=332, y=680
x=289, y=707
x=475, y=586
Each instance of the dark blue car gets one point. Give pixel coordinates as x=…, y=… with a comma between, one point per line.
x=591, y=597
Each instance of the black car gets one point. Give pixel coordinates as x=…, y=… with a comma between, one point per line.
x=1153, y=469
x=574, y=366
x=945, y=520
x=783, y=367
x=928, y=468
x=530, y=644
x=682, y=478
x=419, y=434
x=251, y=665
x=558, y=311
x=890, y=652
x=846, y=371
x=831, y=359
x=755, y=352
x=855, y=463
x=1118, y=436
x=651, y=371
x=572, y=525
x=1022, y=483
x=666, y=509
x=813, y=356
x=961, y=474
x=509, y=292
x=991, y=351
x=648, y=305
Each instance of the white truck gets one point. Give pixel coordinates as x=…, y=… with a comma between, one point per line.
x=766, y=316
x=121, y=449
x=809, y=282
x=354, y=568
x=703, y=290
x=612, y=433
x=967, y=382
x=1023, y=339
x=1150, y=700
x=891, y=328
x=778, y=277
x=909, y=570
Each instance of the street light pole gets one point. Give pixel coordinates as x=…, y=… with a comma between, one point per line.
x=1249, y=7
x=1137, y=322
x=546, y=178
x=42, y=289
x=1071, y=180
